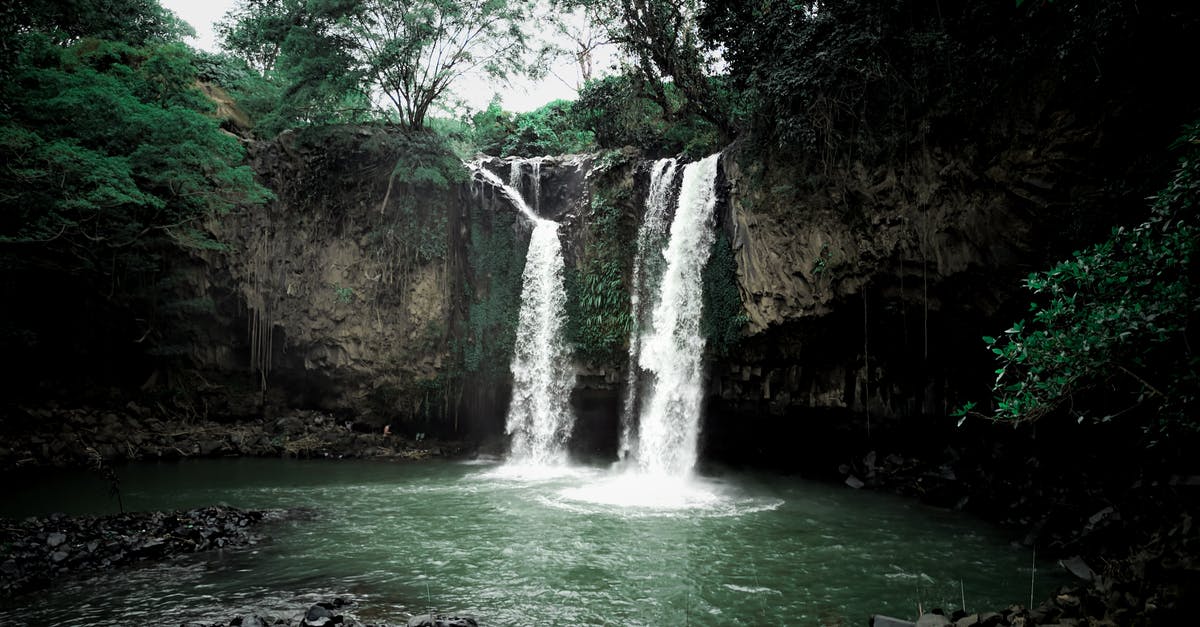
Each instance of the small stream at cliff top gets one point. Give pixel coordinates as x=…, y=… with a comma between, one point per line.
x=761, y=549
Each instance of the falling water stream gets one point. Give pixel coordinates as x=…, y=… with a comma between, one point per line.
x=539, y=416
x=645, y=278
x=672, y=350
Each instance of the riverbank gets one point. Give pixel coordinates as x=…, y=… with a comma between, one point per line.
x=91, y=437
x=336, y=611
x=1124, y=530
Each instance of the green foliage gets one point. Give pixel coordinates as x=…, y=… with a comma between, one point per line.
x=668, y=63
x=111, y=155
x=135, y=22
x=598, y=317
x=853, y=76
x=333, y=54
x=260, y=97
x=496, y=263
x=426, y=159
x=723, y=317
x=114, y=164
x=549, y=130
x=290, y=65
x=1109, y=332
x=822, y=260
x=611, y=112
x=621, y=111
x=492, y=127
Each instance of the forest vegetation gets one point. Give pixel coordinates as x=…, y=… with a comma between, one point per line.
x=135, y=167
x=115, y=155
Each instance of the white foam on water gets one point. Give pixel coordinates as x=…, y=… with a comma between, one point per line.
x=637, y=494
x=517, y=471
x=752, y=589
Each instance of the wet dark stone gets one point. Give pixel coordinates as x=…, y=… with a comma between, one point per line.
x=252, y=620
x=318, y=616
x=426, y=620
x=35, y=558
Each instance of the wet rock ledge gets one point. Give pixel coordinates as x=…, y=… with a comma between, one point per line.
x=78, y=437
x=37, y=551
x=335, y=612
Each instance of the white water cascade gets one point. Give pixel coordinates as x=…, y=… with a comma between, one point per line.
x=672, y=349
x=644, y=282
x=539, y=417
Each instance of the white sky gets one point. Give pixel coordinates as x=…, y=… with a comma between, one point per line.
x=522, y=95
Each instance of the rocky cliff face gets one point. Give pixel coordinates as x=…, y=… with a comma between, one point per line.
x=868, y=285
x=367, y=290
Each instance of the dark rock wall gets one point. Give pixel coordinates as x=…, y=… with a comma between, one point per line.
x=355, y=294
x=866, y=285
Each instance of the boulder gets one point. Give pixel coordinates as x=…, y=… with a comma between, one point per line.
x=429, y=620
x=933, y=620
x=318, y=615
x=888, y=621
x=1076, y=566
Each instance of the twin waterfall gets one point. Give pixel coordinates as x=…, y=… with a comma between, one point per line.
x=648, y=265
x=672, y=350
x=539, y=417
x=660, y=420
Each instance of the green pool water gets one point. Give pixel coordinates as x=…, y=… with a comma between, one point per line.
x=578, y=546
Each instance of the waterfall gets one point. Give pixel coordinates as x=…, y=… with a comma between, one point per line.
x=672, y=349
x=647, y=272
x=539, y=417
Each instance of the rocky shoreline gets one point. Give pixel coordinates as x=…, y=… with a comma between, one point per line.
x=320, y=614
x=336, y=611
x=89, y=437
x=38, y=551
x=1134, y=550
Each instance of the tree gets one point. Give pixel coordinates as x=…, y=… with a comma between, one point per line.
x=255, y=30
x=113, y=164
x=414, y=51
x=409, y=53
x=109, y=146
x=136, y=22
x=663, y=39
x=1111, y=329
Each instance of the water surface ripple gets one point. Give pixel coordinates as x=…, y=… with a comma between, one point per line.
x=576, y=546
